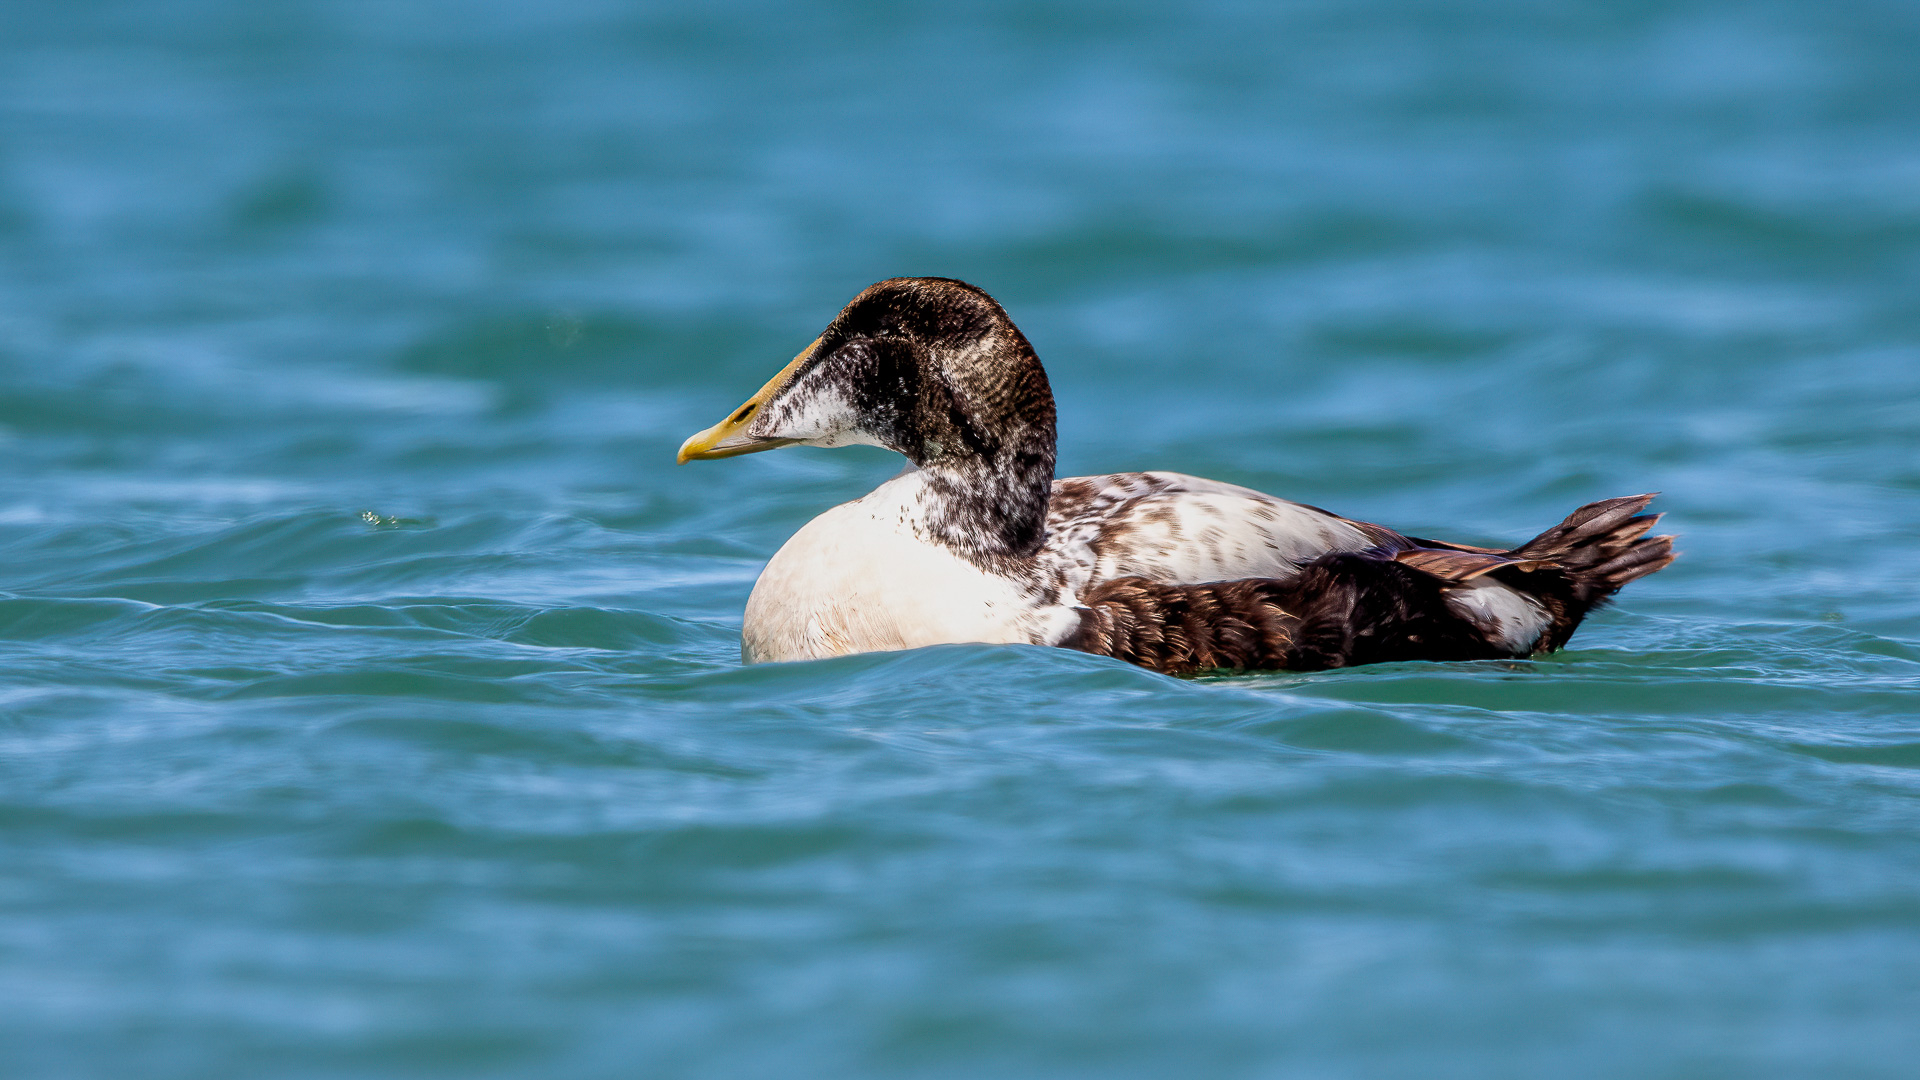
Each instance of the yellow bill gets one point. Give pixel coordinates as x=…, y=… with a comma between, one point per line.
x=729, y=437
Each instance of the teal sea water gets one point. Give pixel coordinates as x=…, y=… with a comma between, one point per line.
x=370, y=702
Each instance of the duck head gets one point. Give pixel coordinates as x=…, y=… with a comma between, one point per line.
x=931, y=368
x=928, y=367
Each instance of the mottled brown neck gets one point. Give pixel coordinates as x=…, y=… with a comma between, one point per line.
x=986, y=438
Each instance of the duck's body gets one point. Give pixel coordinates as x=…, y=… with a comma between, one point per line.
x=865, y=576
x=978, y=542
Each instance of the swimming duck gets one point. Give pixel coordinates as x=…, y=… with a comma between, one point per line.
x=978, y=542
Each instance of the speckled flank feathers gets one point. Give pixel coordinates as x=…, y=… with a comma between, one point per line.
x=978, y=541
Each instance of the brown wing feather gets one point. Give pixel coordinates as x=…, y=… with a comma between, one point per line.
x=1387, y=603
x=1342, y=609
x=1459, y=566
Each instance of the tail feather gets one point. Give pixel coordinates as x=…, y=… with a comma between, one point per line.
x=1592, y=522
x=1597, y=550
x=1636, y=562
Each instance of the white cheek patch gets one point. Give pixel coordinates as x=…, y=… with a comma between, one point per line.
x=811, y=412
x=814, y=411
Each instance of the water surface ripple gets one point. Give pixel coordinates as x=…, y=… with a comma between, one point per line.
x=370, y=701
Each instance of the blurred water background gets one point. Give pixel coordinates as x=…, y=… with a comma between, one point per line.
x=369, y=693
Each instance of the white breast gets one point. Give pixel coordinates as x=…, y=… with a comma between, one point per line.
x=856, y=579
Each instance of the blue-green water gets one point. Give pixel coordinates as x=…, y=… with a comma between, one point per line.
x=369, y=694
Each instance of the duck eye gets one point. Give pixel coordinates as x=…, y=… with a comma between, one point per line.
x=745, y=411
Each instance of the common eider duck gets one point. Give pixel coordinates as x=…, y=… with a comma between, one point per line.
x=978, y=542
